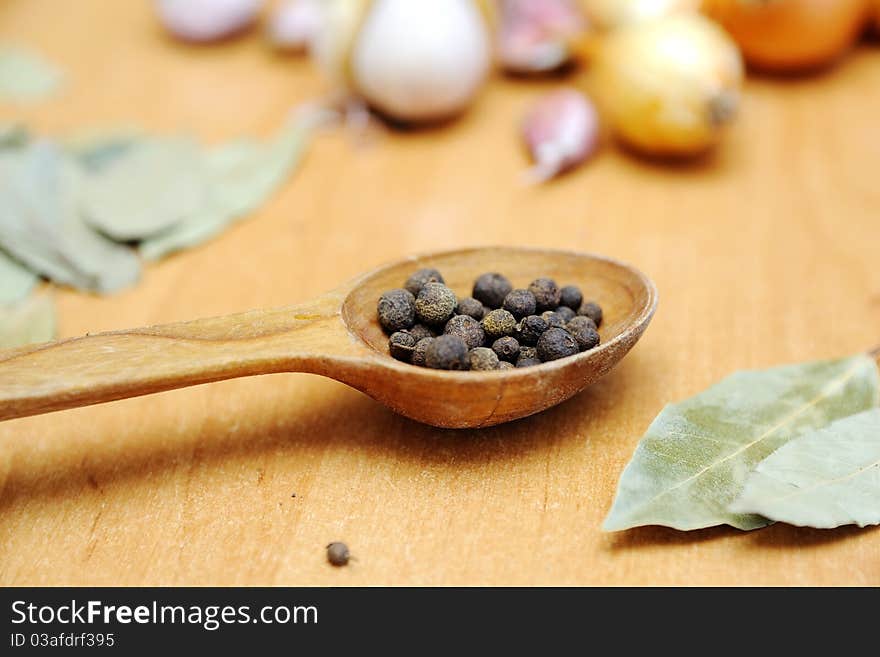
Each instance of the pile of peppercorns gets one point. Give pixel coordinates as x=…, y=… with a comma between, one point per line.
x=496, y=328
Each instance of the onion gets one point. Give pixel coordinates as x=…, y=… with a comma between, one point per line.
x=791, y=35
x=206, y=20
x=670, y=85
x=611, y=14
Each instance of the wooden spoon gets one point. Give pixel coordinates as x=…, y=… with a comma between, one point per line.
x=338, y=335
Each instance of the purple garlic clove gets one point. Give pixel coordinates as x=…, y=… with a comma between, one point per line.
x=535, y=36
x=207, y=20
x=561, y=131
x=294, y=24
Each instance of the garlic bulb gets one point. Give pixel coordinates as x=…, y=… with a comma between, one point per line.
x=538, y=35
x=561, y=131
x=206, y=20
x=611, y=14
x=414, y=61
x=670, y=85
x=294, y=24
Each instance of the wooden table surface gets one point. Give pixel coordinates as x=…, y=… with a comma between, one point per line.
x=764, y=253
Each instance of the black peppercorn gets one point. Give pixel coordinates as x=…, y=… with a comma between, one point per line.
x=483, y=359
x=506, y=348
x=470, y=307
x=546, y=293
x=396, y=310
x=401, y=345
x=566, y=313
x=584, y=331
x=504, y=365
x=420, y=331
x=527, y=362
x=528, y=352
x=338, y=554
x=556, y=343
x=435, y=304
x=579, y=322
x=570, y=296
x=553, y=319
x=530, y=329
x=499, y=323
x=447, y=352
x=592, y=310
x=491, y=289
x=417, y=281
x=466, y=328
x=418, y=354
x=520, y=303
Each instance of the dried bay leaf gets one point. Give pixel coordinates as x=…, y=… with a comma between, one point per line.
x=28, y=321
x=42, y=227
x=244, y=173
x=240, y=175
x=13, y=135
x=824, y=479
x=693, y=461
x=195, y=230
x=147, y=188
x=16, y=281
x=97, y=150
x=25, y=76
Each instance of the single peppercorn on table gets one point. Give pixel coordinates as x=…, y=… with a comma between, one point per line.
x=764, y=253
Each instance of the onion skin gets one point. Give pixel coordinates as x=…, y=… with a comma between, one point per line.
x=669, y=86
x=791, y=35
x=612, y=14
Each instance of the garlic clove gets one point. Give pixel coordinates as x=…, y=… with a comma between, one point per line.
x=536, y=36
x=206, y=20
x=613, y=14
x=294, y=24
x=418, y=61
x=561, y=131
x=669, y=86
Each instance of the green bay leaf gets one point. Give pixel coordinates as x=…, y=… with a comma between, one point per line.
x=13, y=135
x=145, y=189
x=695, y=457
x=96, y=150
x=240, y=175
x=42, y=227
x=824, y=479
x=194, y=230
x=16, y=280
x=28, y=321
x=26, y=76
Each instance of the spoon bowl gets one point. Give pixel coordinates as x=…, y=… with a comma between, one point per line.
x=338, y=335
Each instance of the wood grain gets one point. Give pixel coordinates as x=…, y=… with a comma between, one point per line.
x=764, y=253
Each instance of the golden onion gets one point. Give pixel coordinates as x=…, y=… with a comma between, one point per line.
x=668, y=86
x=791, y=35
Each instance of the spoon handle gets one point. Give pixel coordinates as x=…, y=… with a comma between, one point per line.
x=108, y=366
